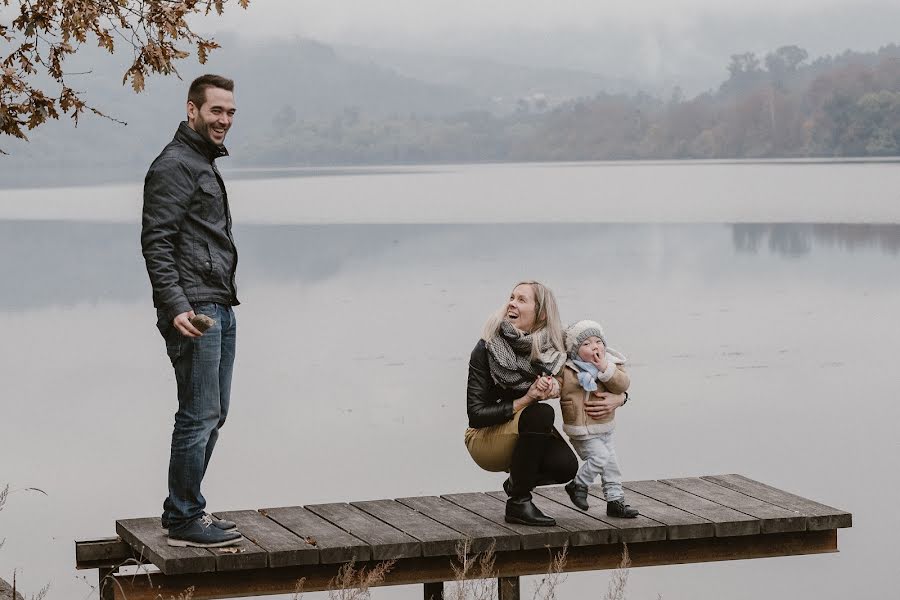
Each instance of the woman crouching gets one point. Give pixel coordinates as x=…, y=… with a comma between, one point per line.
x=510, y=372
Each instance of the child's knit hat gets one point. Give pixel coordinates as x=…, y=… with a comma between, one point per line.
x=576, y=333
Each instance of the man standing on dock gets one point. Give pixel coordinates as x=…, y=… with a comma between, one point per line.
x=191, y=259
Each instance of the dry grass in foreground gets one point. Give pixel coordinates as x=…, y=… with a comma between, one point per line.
x=475, y=578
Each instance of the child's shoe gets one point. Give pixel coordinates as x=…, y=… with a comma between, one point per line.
x=578, y=494
x=618, y=508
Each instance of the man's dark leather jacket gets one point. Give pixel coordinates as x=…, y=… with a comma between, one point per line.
x=186, y=226
x=487, y=403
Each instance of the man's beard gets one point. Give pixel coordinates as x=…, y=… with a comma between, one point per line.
x=202, y=127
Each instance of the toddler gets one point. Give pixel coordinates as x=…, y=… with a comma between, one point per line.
x=592, y=367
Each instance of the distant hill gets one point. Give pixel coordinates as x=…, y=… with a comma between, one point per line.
x=302, y=103
x=778, y=105
x=278, y=83
x=507, y=85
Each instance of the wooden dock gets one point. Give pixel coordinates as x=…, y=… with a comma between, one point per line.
x=684, y=520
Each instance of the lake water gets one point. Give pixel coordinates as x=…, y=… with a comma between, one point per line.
x=757, y=303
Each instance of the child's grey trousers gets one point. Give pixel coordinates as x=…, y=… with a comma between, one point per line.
x=599, y=456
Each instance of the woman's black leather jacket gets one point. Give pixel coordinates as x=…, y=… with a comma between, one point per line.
x=487, y=403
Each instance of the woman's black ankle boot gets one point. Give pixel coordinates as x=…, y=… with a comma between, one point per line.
x=521, y=510
x=523, y=472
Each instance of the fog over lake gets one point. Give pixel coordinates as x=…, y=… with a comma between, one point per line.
x=756, y=301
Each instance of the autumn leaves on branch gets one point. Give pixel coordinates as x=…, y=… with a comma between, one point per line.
x=45, y=32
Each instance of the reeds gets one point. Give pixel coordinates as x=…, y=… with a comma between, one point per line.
x=619, y=578
x=4, y=494
x=474, y=575
x=351, y=583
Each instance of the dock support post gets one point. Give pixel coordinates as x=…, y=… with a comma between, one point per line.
x=105, y=583
x=508, y=588
x=434, y=590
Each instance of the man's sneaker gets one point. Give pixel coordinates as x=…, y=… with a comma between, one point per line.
x=618, y=508
x=578, y=494
x=220, y=523
x=202, y=533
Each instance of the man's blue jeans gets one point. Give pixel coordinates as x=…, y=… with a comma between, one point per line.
x=203, y=368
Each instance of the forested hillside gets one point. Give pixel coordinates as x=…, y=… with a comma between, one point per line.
x=778, y=105
x=316, y=107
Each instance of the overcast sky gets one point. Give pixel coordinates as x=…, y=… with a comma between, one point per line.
x=660, y=40
x=341, y=19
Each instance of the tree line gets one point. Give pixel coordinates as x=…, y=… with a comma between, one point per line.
x=780, y=105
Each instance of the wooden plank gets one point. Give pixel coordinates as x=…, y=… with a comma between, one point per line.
x=334, y=544
x=640, y=529
x=105, y=583
x=772, y=519
x=237, y=584
x=494, y=510
x=819, y=516
x=508, y=588
x=241, y=556
x=481, y=533
x=434, y=590
x=148, y=539
x=583, y=529
x=103, y=552
x=280, y=547
x=436, y=539
x=726, y=521
x=386, y=542
x=679, y=524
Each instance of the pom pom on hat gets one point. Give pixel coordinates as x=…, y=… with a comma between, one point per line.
x=580, y=331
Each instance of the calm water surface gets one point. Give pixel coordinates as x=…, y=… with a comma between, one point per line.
x=764, y=346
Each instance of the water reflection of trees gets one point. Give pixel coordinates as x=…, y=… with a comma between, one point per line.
x=66, y=264
x=797, y=239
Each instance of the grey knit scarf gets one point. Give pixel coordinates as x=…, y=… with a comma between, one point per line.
x=509, y=359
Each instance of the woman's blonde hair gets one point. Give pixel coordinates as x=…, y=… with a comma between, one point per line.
x=548, y=329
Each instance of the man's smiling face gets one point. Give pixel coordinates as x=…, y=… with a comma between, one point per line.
x=214, y=117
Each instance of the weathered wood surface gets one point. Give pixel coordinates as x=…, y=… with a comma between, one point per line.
x=680, y=524
x=281, y=547
x=583, y=529
x=104, y=553
x=334, y=544
x=148, y=539
x=772, y=519
x=508, y=588
x=385, y=541
x=493, y=509
x=326, y=536
x=640, y=529
x=726, y=521
x=434, y=590
x=481, y=533
x=237, y=584
x=435, y=538
x=819, y=517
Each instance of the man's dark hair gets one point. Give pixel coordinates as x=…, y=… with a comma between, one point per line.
x=197, y=91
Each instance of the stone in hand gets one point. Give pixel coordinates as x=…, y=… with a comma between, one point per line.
x=202, y=322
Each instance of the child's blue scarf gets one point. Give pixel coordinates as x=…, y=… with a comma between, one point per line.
x=587, y=374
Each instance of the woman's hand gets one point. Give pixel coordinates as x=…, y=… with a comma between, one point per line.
x=541, y=389
x=601, y=405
